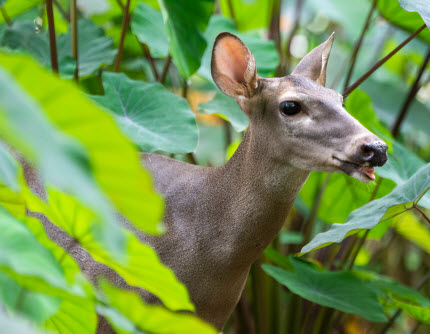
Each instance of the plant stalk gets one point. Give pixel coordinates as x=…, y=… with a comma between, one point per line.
x=5, y=16
x=52, y=38
x=411, y=95
x=165, y=69
x=422, y=213
x=148, y=56
x=381, y=62
x=124, y=26
x=358, y=44
x=274, y=29
x=74, y=26
x=61, y=10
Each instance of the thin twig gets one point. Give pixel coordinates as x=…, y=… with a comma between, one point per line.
x=74, y=28
x=124, y=26
x=358, y=44
x=5, y=16
x=52, y=39
x=381, y=62
x=148, y=56
x=411, y=95
x=165, y=69
x=357, y=249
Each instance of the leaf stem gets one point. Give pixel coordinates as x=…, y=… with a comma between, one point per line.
x=422, y=213
x=358, y=44
x=5, y=16
x=52, y=38
x=165, y=69
x=357, y=249
x=411, y=95
x=274, y=31
x=381, y=62
x=74, y=28
x=148, y=56
x=124, y=26
x=232, y=13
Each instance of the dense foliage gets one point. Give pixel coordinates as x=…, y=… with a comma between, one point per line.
x=85, y=86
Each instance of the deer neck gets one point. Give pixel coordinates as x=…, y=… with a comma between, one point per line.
x=261, y=191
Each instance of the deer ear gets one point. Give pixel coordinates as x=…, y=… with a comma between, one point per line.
x=233, y=66
x=314, y=64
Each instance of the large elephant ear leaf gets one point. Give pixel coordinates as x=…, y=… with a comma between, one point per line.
x=153, y=117
x=422, y=7
x=404, y=197
x=185, y=22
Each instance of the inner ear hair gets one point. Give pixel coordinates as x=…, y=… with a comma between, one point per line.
x=233, y=66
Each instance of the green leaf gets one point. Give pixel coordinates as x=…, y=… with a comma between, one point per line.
x=25, y=260
x=392, y=12
x=227, y=108
x=8, y=169
x=422, y=7
x=401, y=199
x=147, y=24
x=140, y=267
x=126, y=183
x=151, y=318
x=340, y=290
x=94, y=48
x=153, y=117
x=16, y=7
x=13, y=324
x=35, y=306
x=396, y=295
x=290, y=238
x=249, y=15
x=185, y=21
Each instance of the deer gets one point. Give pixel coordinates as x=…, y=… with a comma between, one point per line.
x=219, y=220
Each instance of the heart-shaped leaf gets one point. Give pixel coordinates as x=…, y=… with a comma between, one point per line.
x=185, y=22
x=153, y=117
x=404, y=197
x=341, y=290
x=422, y=7
x=147, y=24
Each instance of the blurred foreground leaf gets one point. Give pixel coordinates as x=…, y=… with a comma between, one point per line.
x=149, y=318
x=127, y=185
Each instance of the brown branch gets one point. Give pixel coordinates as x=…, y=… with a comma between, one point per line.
x=52, y=39
x=274, y=30
x=74, y=28
x=124, y=26
x=5, y=16
x=381, y=62
x=411, y=95
x=358, y=44
x=232, y=14
x=165, y=69
x=119, y=2
x=148, y=56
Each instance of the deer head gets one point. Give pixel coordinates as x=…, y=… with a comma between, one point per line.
x=301, y=122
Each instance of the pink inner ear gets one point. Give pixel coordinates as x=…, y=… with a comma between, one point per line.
x=231, y=58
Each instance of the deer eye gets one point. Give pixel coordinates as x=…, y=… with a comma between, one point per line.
x=289, y=108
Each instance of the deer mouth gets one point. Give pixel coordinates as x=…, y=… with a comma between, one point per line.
x=362, y=172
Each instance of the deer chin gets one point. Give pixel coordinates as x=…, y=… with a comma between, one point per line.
x=363, y=172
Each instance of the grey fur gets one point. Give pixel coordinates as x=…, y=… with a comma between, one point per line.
x=219, y=220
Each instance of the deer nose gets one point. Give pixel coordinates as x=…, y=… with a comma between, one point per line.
x=374, y=153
